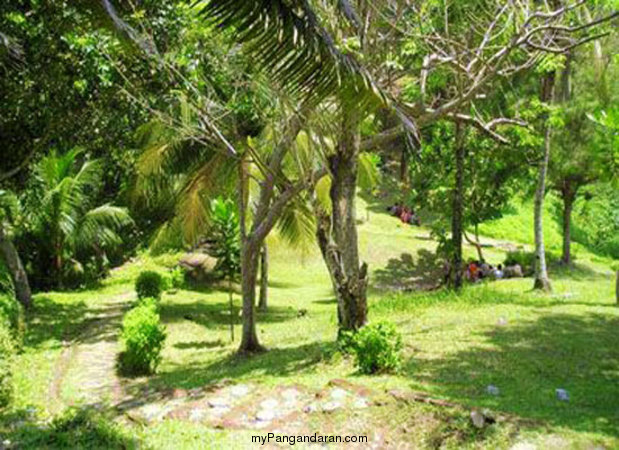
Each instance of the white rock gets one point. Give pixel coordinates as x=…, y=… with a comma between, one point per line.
x=269, y=403
x=338, y=393
x=218, y=402
x=265, y=415
x=239, y=390
x=331, y=406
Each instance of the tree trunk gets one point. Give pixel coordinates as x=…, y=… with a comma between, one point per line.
x=541, y=273
x=457, y=209
x=264, y=278
x=617, y=287
x=249, y=270
x=337, y=235
x=16, y=270
x=231, y=309
x=568, y=203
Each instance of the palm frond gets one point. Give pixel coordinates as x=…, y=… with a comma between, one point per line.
x=297, y=224
x=287, y=39
x=101, y=226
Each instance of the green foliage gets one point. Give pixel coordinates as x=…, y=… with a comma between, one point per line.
x=225, y=236
x=143, y=336
x=7, y=352
x=148, y=302
x=66, y=233
x=12, y=313
x=176, y=278
x=149, y=284
x=376, y=348
x=79, y=429
x=595, y=222
x=526, y=260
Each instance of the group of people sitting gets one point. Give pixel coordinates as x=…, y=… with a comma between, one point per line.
x=480, y=270
x=405, y=214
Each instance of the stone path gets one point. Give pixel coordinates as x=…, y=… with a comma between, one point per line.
x=280, y=409
x=86, y=370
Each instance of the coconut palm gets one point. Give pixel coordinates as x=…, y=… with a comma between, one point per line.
x=61, y=212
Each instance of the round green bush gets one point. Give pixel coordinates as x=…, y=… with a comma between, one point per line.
x=143, y=336
x=7, y=353
x=149, y=284
x=12, y=311
x=377, y=348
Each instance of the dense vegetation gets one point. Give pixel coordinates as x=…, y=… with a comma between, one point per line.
x=348, y=182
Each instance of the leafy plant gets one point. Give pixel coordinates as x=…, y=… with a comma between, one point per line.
x=143, y=336
x=225, y=237
x=12, y=313
x=176, y=278
x=7, y=351
x=64, y=223
x=148, y=302
x=149, y=284
x=376, y=348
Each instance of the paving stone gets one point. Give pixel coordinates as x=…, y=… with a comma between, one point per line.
x=331, y=406
x=218, y=402
x=240, y=390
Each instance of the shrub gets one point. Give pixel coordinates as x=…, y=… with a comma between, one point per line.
x=149, y=284
x=377, y=348
x=176, y=278
x=7, y=353
x=143, y=336
x=148, y=302
x=12, y=311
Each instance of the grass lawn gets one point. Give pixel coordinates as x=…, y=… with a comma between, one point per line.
x=503, y=334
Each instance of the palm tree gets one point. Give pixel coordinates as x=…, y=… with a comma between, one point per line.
x=60, y=210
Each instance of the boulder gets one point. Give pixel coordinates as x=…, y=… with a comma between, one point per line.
x=199, y=267
x=514, y=271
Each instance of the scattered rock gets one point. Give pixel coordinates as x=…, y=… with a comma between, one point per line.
x=492, y=390
x=478, y=419
x=523, y=446
x=269, y=404
x=338, y=393
x=290, y=395
x=562, y=395
x=197, y=415
x=331, y=406
x=361, y=403
x=218, y=402
x=239, y=390
x=502, y=321
x=265, y=415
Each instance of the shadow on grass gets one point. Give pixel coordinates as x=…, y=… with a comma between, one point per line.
x=199, y=345
x=575, y=271
x=528, y=361
x=408, y=274
x=52, y=320
x=84, y=427
x=213, y=315
x=279, y=362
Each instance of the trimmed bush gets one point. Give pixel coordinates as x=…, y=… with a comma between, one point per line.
x=7, y=353
x=176, y=278
x=143, y=336
x=11, y=311
x=149, y=284
x=149, y=302
x=377, y=348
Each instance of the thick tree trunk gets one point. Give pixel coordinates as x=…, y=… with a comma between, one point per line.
x=541, y=273
x=264, y=278
x=457, y=209
x=568, y=203
x=337, y=235
x=9, y=255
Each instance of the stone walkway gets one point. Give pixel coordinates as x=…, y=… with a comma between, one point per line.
x=86, y=370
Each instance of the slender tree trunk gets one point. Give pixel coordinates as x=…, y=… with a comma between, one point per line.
x=249, y=269
x=337, y=235
x=9, y=255
x=541, y=273
x=231, y=309
x=457, y=209
x=617, y=287
x=568, y=203
x=264, y=278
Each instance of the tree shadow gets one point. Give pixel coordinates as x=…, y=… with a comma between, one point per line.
x=53, y=320
x=408, y=274
x=528, y=361
x=199, y=345
x=278, y=362
x=84, y=427
x=213, y=315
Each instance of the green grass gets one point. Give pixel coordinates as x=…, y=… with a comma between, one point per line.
x=454, y=347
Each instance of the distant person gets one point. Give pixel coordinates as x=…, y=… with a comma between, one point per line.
x=498, y=272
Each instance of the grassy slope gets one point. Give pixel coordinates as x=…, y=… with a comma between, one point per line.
x=454, y=347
